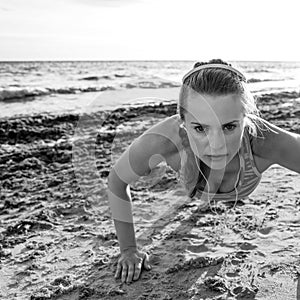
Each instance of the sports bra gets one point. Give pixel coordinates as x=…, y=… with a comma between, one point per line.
x=247, y=182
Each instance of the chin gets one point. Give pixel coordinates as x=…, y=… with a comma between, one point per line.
x=216, y=165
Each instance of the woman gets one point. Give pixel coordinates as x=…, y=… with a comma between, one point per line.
x=217, y=143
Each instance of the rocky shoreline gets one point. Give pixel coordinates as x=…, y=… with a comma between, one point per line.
x=57, y=240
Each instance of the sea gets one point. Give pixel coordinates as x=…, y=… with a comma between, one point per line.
x=58, y=87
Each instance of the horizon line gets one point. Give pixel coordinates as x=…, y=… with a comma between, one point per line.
x=131, y=60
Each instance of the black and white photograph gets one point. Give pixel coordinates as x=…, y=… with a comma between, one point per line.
x=149, y=150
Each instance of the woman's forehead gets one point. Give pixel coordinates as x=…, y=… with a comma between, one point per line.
x=208, y=109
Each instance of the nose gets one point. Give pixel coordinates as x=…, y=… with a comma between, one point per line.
x=216, y=140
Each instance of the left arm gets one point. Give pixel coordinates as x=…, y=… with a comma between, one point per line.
x=278, y=146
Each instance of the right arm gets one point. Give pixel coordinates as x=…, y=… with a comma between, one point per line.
x=132, y=164
x=142, y=155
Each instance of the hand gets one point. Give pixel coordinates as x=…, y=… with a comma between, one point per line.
x=130, y=264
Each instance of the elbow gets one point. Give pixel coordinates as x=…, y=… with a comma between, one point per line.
x=113, y=180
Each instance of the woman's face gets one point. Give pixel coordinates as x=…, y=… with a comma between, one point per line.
x=215, y=127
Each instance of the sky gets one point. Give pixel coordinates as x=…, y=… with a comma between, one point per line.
x=265, y=30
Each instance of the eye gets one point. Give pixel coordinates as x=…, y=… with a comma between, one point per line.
x=199, y=129
x=229, y=127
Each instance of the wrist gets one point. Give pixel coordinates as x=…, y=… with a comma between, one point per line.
x=128, y=248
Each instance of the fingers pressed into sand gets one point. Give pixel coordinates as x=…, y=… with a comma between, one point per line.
x=118, y=272
x=124, y=272
x=130, y=273
x=137, y=271
x=146, y=262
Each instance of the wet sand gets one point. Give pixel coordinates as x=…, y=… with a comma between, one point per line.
x=57, y=239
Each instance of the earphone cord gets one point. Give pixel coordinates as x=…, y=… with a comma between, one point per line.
x=208, y=188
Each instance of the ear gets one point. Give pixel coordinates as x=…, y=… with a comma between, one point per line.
x=246, y=123
x=182, y=125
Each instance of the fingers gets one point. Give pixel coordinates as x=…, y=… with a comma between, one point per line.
x=130, y=273
x=137, y=271
x=146, y=263
x=118, y=272
x=124, y=272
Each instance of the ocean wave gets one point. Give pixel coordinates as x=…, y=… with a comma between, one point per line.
x=151, y=85
x=254, y=80
x=15, y=92
x=94, y=78
x=169, y=84
x=258, y=70
x=121, y=75
x=107, y=77
x=12, y=93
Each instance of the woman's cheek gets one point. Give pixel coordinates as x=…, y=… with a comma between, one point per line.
x=199, y=147
x=197, y=143
x=233, y=142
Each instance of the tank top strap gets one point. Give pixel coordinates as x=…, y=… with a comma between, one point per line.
x=183, y=161
x=249, y=153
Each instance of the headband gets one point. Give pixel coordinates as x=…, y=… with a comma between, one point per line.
x=215, y=66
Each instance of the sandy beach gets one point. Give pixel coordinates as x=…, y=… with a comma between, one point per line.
x=57, y=239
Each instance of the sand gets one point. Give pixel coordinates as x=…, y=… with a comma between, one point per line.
x=57, y=239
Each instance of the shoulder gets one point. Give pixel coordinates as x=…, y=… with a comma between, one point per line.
x=275, y=145
x=155, y=145
x=163, y=136
x=270, y=138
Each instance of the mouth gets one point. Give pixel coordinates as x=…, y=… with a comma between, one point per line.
x=217, y=157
